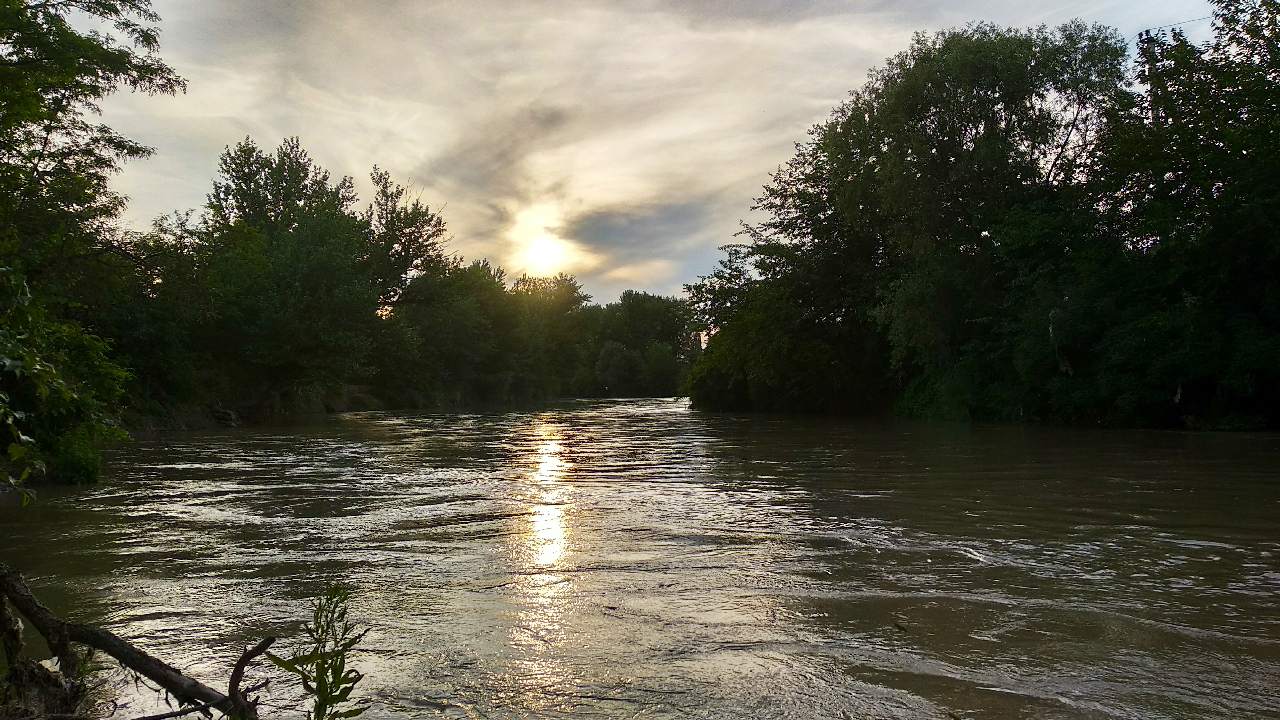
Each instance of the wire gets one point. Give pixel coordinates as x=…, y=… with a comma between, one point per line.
x=1184, y=22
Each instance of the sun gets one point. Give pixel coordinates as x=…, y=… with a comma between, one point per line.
x=544, y=255
x=538, y=249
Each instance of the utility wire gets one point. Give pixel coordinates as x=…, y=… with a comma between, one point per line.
x=1183, y=22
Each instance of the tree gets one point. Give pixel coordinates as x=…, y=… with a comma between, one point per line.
x=58, y=392
x=405, y=238
x=1191, y=188
x=1009, y=225
x=639, y=346
x=58, y=243
x=57, y=211
x=280, y=252
x=888, y=245
x=454, y=332
x=549, y=314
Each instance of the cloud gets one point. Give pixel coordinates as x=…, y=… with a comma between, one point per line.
x=636, y=230
x=642, y=128
x=641, y=273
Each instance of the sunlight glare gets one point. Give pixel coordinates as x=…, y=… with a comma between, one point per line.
x=549, y=536
x=548, y=528
x=538, y=248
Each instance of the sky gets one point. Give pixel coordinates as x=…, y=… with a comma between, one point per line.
x=622, y=142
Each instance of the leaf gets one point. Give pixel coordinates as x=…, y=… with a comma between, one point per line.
x=282, y=663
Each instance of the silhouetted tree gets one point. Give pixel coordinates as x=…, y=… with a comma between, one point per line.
x=1000, y=224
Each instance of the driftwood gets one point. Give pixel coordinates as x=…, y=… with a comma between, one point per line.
x=188, y=691
x=31, y=688
x=192, y=709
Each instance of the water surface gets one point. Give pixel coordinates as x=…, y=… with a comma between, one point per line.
x=630, y=559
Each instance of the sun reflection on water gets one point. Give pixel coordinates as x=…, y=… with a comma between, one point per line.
x=544, y=552
x=548, y=528
x=549, y=536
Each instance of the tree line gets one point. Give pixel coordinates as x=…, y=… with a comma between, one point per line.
x=283, y=293
x=1022, y=225
x=1000, y=224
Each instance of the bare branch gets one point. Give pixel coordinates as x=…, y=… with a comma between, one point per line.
x=196, y=708
x=59, y=632
x=241, y=707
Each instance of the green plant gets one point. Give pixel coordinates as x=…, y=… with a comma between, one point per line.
x=322, y=668
x=59, y=393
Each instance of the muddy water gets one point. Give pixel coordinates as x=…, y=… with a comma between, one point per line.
x=640, y=559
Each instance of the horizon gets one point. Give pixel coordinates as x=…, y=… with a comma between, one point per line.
x=690, y=110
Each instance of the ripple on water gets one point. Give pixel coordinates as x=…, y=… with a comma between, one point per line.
x=639, y=559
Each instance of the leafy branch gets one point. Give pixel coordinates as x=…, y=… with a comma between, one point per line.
x=323, y=667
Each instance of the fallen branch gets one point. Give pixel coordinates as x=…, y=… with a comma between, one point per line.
x=195, y=708
x=59, y=633
x=189, y=710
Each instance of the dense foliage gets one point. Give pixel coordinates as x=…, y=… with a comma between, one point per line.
x=58, y=390
x=283, y=295
x=462, y=337
x=1015, y=225
x=59, y=386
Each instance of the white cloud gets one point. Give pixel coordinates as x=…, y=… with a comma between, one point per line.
x=493, y=109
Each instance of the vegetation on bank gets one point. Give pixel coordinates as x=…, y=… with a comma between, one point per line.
x=1022, y=225
x=283, y=289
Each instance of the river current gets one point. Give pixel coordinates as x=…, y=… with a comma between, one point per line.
x=639, y=559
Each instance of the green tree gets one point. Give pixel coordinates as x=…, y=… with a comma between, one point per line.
x=58, y=244
x=640, y=345
x=888, y=245
x=58, y=392
x=1190, y=185
x=279, y=254
x=549, y=312
x=56, y=207
x=1009, y=224
x=405, y=238
x=455, y=332
x=280, y=283
x=660, y=370
x=618, y=369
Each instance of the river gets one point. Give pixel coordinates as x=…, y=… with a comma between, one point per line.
x=624, y=559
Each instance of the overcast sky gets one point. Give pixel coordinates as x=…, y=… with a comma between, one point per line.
x=620, y=141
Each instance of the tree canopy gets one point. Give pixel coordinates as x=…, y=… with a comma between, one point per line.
x=58, y=237
x=1020, y=225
